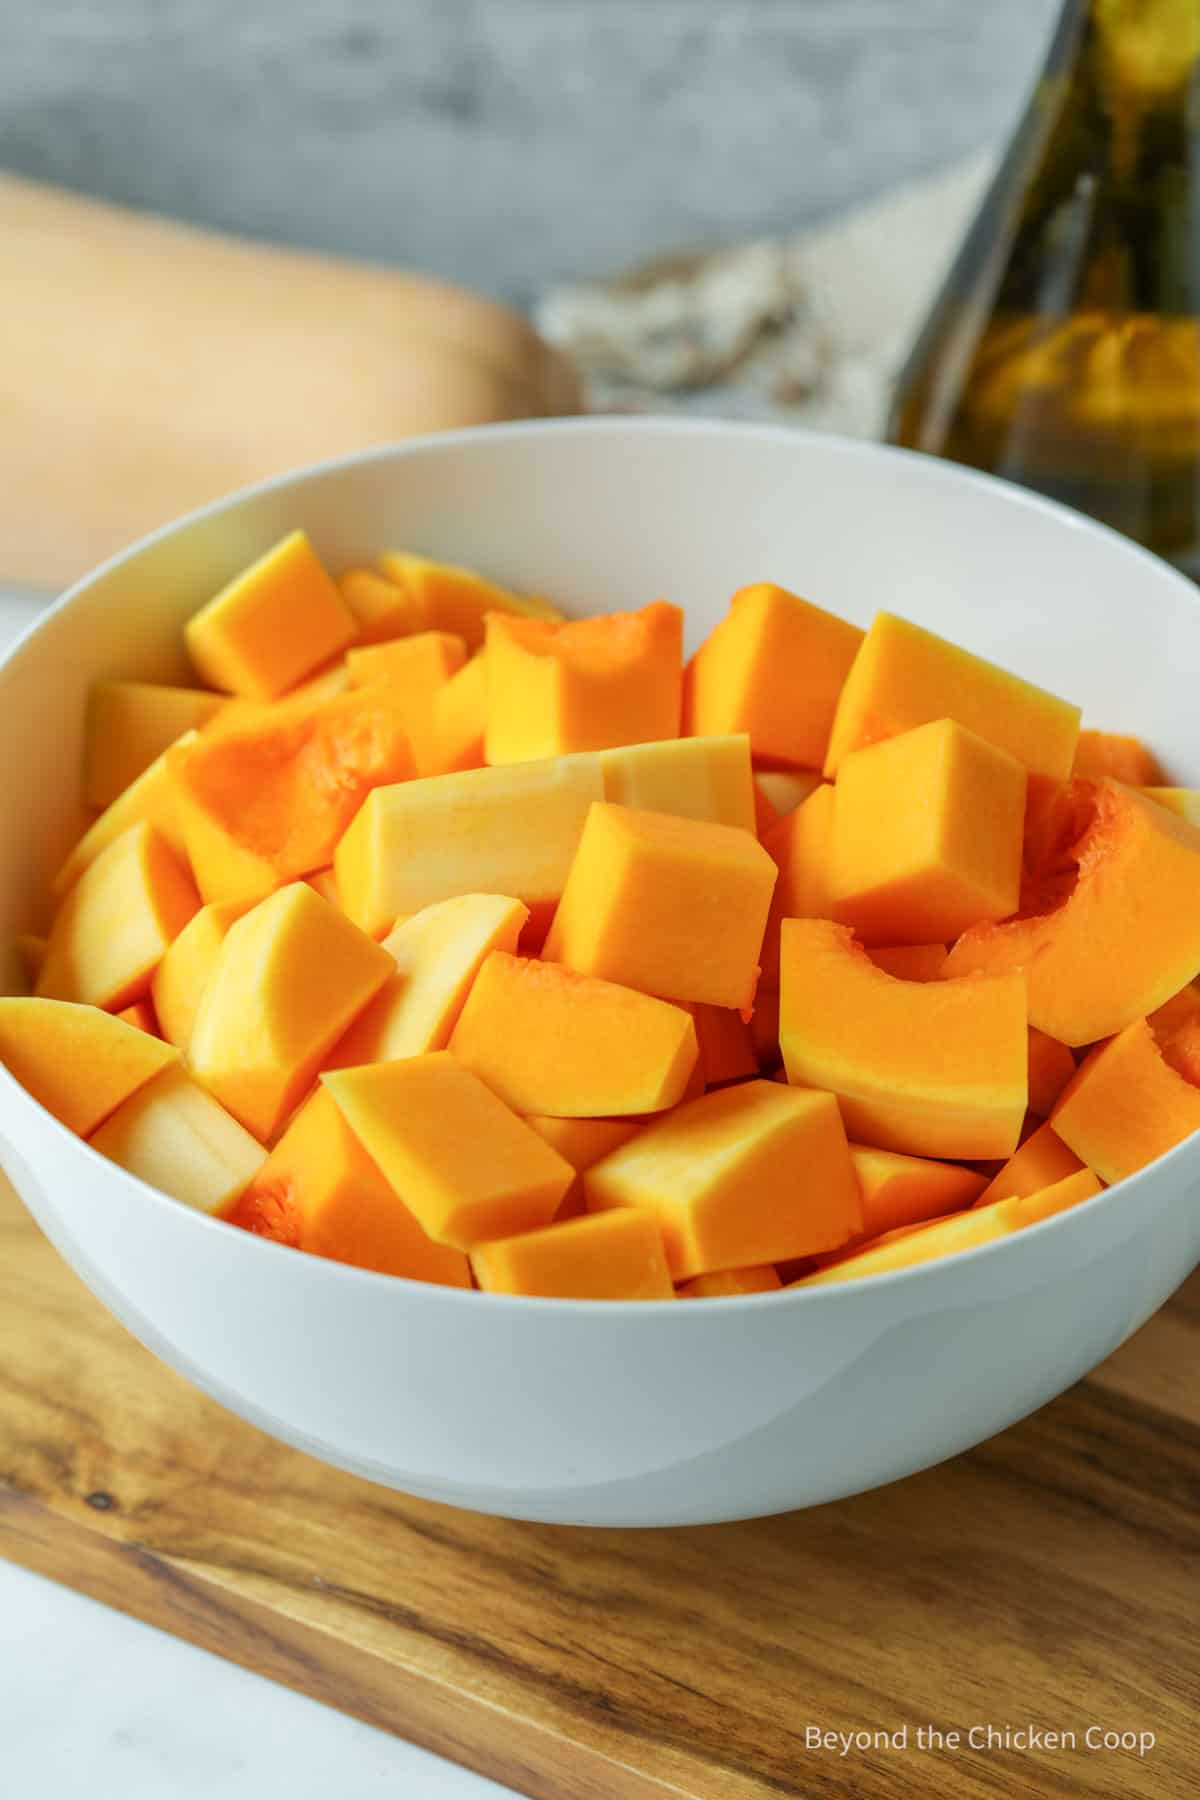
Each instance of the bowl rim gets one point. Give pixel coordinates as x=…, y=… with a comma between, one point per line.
x=613, y=425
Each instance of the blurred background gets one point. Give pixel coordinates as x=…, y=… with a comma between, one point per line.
x=508, y=144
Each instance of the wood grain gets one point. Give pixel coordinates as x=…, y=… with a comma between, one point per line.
x=1047, y=1578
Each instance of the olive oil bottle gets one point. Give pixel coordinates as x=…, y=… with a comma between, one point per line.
x=1064, y=349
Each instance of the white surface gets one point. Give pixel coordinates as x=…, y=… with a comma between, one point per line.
x=94, y=1704
x=693, y=1413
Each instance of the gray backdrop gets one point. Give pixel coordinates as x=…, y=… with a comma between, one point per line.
x=505, y=142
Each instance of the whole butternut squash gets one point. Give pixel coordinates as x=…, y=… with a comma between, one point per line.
x=147, y=367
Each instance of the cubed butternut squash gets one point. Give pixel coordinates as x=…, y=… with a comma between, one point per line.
x=755, y=1173
x=415, y=670
x=275, y=623
x=468, y=1168
x=511, y=830
x=149, y=800
x=1123, y=940
x=78, y=1062
x=187, y=965
x=904, y=676
x=927, y=835
x=175, y=1136
x=1042, y=1161
x=548, y=1040
x=906, y=1248
x=116, y=923
x=458, y=714
x=583, y=685
x=319, y=1191
x=260, y=806
x=382, y=609
x=722, y=1283
x=458, y=600
x=1126, y=1105
x=801, y=846
x=774, y=668
x=437, y=953
x=695, y=778
x=786, y=789
x=907, y=1190
x=674, y=907
x=128, y=726
x=609, y=1256
x=288, y=979
x=934, y=1068
x=1100, y=753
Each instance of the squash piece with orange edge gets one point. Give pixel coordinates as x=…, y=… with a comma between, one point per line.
x=319, y=1191
x=1040, y=1161
x=468, y=1168
x=675, y=907
x=610, y=1256
x=149, y=799
x=457, y=718
x=1126, y=936
x=722, y=1284
x=129, y=724
x=550, y=1041
x=382, y=609
x=78, y=1062
x=116, y=924
x=588, y=684
x=448, y=598
x=1126, y=1105
x=1101, y=753
x=707, y=778
x=183, y=974
x=907, y=1190
x=288, y=979
x=936, y=1068
x=174, y=1135
x=275, y=623
x=581, y=1142
x=904, y=676
x=909, y=1246
x=773, y=667
x=910, y=962
x=754, y=1173
x=415, y=670
x=263, y=805
x=438, y=952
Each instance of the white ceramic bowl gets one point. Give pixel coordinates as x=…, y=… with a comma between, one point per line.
x=620, y=1414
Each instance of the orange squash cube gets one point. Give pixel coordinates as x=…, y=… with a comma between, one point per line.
x=910, y=962
x=933, y=1068
x=149, y=800
x=675, y=907
x=906, y=1248
x=466, y=1165
x=1031, y=1209
x=907, y=1190
x=320, y=1192
x=724, y=1282
x=1127, y=759
x=1042, y=1161
x=927, y=835
x=550, y=1041
x=128, y=726
x=1183, y=801
x=756, y=1173
x=184, y=972
x=1051, y=1066
x=458, y=715
x=174, y=1135
x=774, y=668
x=1125, y=938
x=581, y=1142
x=801, y=846
x=613, y=1256
x=288, y=979
x=78, y=1062
x=275, y=623
x=114, y=927
x=583, y=685
x=453, y=599
x=706, y=778
x=260, y=806
x=904, y=676
x=382, y=609
x=511, y=830
x=1126, y=1106
x=417, y=664
x=438, y=952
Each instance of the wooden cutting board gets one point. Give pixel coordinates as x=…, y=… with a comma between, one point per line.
x=1047, y=1579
